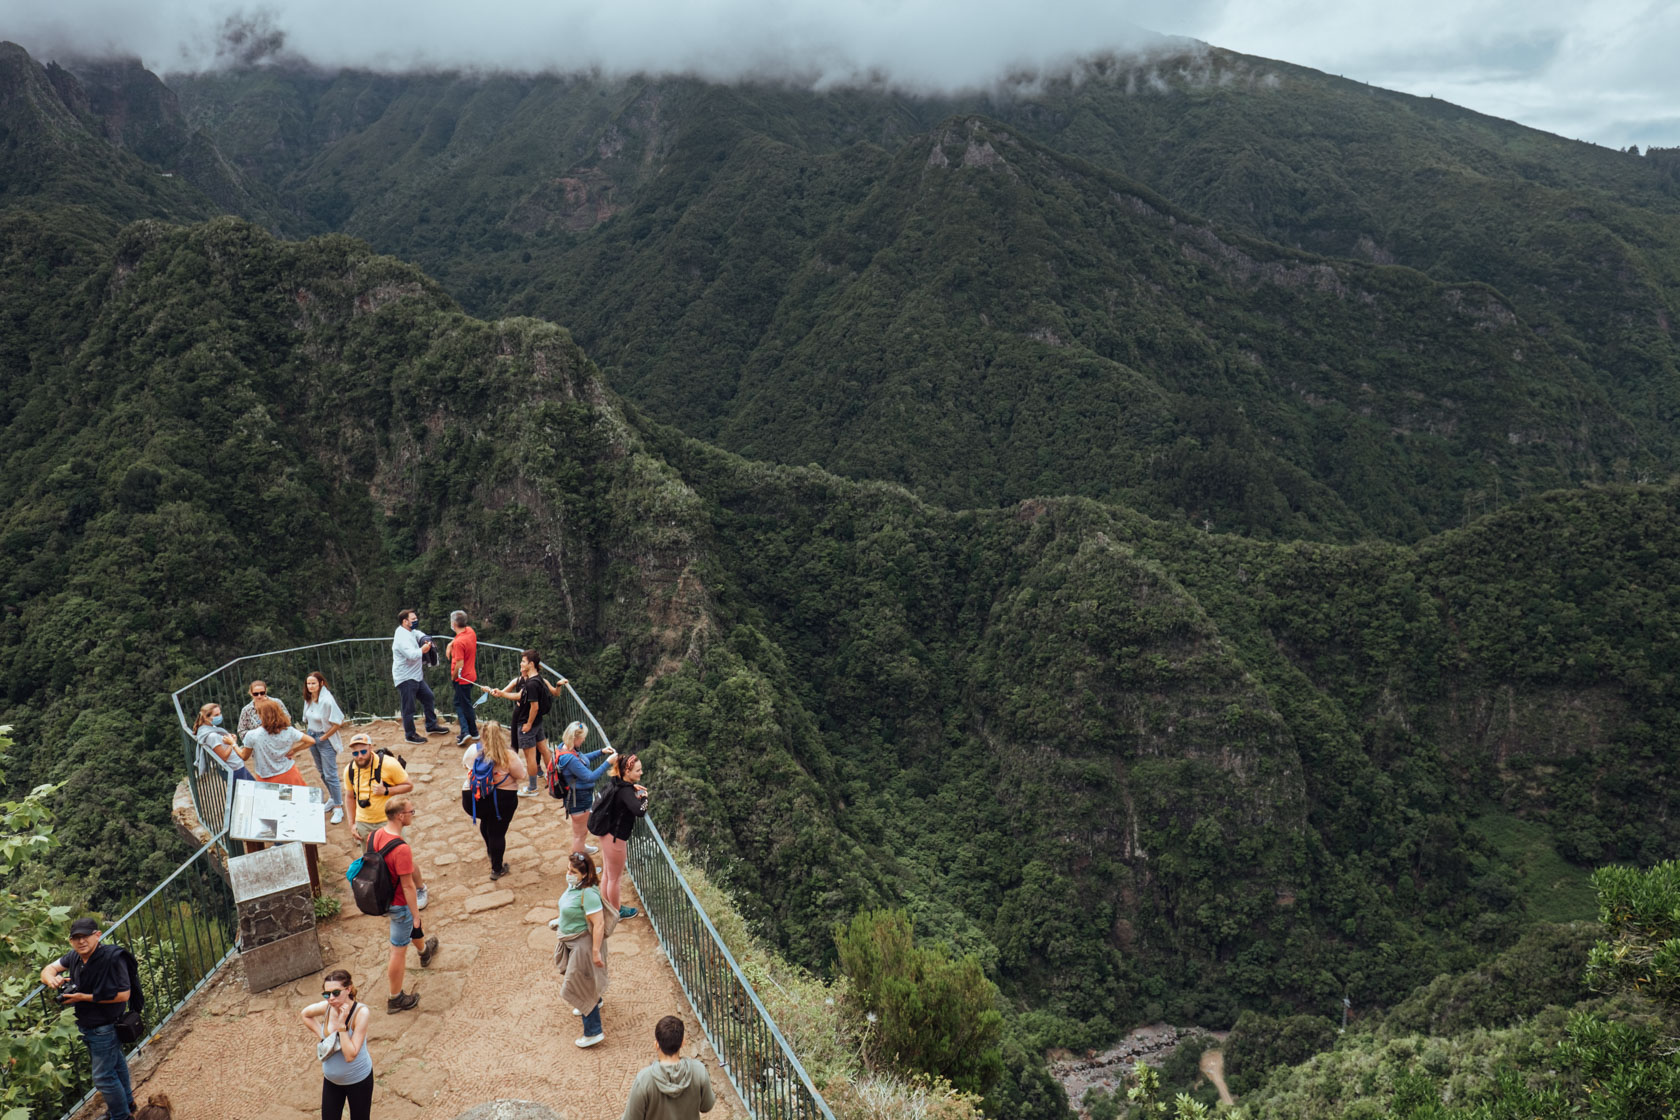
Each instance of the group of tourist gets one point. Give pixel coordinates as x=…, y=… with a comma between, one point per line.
x=501, y=764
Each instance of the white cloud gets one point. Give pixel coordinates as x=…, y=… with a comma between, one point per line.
x=1601, y=69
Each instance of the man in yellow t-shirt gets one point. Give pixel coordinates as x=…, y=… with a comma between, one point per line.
x=370, y=780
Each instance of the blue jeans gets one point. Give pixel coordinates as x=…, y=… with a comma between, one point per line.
x=409, y=690
x=326, y=761
x=592, y=1021
x=464, y=714
x=110, y=1069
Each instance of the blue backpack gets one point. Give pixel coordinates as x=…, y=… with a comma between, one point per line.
x=484, y=784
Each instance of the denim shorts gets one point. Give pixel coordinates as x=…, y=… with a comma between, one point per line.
x=402, y=926
x=580, y=801
x=529, y=739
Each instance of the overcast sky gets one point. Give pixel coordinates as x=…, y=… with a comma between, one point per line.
x=1602, y=70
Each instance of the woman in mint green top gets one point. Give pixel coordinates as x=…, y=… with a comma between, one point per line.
x=581, y=952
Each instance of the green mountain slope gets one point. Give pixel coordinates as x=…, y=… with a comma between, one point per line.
x=1140, y=768
x=745, y=262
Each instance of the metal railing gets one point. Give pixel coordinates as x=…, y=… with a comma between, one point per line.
x=181, y=932
x=752, y=1051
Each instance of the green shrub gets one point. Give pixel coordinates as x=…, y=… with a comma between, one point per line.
x=326, y=906
x=923, y=1011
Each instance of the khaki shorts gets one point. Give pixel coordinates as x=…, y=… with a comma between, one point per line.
x=364, y=829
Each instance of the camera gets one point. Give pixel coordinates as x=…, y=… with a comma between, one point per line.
x=69, y=989
x=363, y=803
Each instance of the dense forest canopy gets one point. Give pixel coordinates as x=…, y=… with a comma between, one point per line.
x=1191, y=608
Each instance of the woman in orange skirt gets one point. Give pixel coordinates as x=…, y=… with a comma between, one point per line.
x=274, y=745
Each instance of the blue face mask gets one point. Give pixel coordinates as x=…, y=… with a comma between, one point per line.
x=216, y=719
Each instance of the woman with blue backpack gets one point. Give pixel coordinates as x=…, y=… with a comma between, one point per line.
x=571, y=778
x=490, y=793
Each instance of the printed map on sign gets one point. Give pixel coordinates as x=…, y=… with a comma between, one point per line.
x=270, y=812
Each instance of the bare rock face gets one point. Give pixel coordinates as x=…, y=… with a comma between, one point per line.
x=510, y=1110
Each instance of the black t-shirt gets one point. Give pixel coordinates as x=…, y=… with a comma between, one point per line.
x=101, y=976
x=532, y=690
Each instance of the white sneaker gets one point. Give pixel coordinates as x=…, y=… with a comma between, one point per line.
x=338, y=816
x=575, y=1011
x=589, y=1040
x=554, y=923
x=592, y=849
x=420, y=904
x=528, y=791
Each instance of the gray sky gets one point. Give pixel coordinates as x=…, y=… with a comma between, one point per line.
x=1602, y=70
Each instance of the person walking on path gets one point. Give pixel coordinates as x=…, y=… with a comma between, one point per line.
x=585, y=924
x=408, y=674
x=673, y=1087
x=275, y=744
x=622, y=804
x=490, y=791
x=211, y=736
x=340, y=1026
x=405, y=926
x=463, y=674
x=248, y=720
x=101, y=984
x=532, y=699
x=574, y=767
x=322, y=717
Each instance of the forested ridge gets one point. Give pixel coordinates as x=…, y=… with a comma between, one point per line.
x=1118, y=735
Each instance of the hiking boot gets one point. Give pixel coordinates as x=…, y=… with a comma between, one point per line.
x=427, y=952
x=401, y=1002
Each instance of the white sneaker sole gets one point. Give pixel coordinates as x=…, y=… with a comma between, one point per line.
x=589, y=1040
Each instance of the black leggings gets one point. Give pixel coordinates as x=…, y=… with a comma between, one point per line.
x=360, y=1096
x=493, y=830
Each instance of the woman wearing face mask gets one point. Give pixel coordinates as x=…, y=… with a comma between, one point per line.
x=340, y=1025
x=322, y=718
x=585, y=923
x=613, y=819
x=211, y=736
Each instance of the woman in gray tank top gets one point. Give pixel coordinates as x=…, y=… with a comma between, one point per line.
x=340, y=1026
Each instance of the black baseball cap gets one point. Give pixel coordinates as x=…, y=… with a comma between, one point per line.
x=81, y=927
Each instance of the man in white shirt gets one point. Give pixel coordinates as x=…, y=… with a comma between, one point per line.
x=410, y=679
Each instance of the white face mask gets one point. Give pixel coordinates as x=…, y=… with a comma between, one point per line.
x=573, y=879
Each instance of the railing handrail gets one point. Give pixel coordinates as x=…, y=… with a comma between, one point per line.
x=653, y=831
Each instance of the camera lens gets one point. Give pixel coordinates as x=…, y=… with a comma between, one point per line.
x=363, y=803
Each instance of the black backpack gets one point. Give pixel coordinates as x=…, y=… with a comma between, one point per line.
x=371, y=881
x=604, y=812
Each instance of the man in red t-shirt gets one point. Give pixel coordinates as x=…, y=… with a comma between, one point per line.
x=405, y=926
x=463, y=671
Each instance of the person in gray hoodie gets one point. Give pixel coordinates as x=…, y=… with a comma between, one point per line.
x=674, y=1087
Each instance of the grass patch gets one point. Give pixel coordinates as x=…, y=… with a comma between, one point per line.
x=1555, y=889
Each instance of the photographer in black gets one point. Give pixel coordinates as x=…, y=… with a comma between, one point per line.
x=95, y=980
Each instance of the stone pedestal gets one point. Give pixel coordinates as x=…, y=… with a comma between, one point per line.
x=276, y=908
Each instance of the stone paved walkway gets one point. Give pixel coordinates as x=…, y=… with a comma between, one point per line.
x=490, y=1022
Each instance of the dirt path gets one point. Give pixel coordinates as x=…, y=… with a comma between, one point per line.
x=1213, y=1068
x=490, y=1023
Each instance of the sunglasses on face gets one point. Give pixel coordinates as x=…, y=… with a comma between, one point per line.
x=259, y=695
x=358, y=754
x=331, y=994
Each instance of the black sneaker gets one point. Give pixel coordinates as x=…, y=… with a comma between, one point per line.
x=436, y=731
x=498, y=872
x=414, y=739
x=427, y=952
x=401, y=1002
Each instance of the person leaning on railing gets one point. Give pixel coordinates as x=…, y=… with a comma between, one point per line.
x=207, y=729
x=248, y=720
x=532, y=700
x=275, y=745
x=613, y=820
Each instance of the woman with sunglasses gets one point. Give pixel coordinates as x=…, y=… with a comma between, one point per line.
x=584, y=924
x=340, y=1025
x=613, y=819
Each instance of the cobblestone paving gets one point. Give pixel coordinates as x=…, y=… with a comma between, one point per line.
x=490, y=1022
